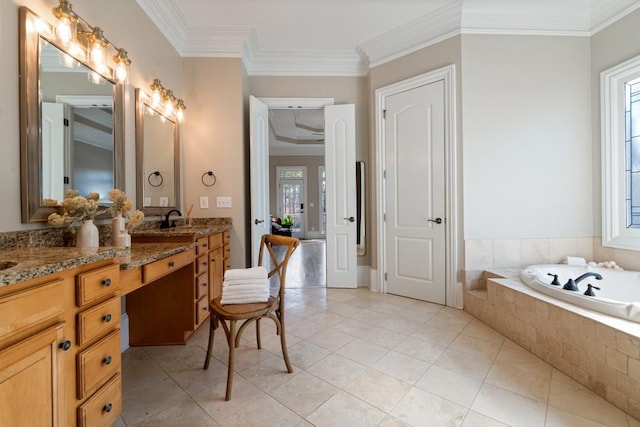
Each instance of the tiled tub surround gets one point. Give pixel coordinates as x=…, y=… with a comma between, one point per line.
x=599, y=351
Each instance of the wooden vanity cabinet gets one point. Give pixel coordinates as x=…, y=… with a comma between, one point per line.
x=171, y=309
x=46, y=326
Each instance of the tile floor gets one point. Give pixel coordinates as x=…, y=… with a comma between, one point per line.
x=360, y=359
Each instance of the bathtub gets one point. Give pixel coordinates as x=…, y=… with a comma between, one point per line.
x=619, y=293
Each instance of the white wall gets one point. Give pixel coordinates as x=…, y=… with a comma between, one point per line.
x=527, y=137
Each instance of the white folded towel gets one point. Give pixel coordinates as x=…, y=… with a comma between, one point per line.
x=244, y=288
x=245, y=299
x=242, y=282
x=234, y=293
x=576, y=261
x=245, y=273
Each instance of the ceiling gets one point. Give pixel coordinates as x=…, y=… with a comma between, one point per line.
x=347, y=37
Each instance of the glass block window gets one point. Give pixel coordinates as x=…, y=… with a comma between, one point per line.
x=291, y=173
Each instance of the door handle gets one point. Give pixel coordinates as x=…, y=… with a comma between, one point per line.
x=258, y=221
x=350, y=219
x=437, y=220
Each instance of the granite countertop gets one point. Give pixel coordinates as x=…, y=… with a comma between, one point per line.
x=183, y=230
x=32, y=263
x=144, y=253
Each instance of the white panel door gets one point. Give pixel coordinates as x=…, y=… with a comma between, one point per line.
x=340, y=166
x=53, y=151
x=259, y=159
x=414, y=193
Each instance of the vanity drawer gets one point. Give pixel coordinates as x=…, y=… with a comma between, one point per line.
x=103, y=408
x=202, y=245
x=157, y=269
x=98, y=320
x=227, y=251
x=202, y=264
x=98, y=363
x=202, y=284
x=23, y=309
x=226, y=235
x=98, y=283
x=215, y=240
x=202, y=310
x=227, y=264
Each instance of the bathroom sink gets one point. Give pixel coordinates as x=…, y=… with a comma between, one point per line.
x=7, y=264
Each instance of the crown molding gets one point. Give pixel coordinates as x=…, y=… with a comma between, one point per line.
x=457, y=17
x=421, y=32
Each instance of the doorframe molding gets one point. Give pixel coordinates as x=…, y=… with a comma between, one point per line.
x=448, y=76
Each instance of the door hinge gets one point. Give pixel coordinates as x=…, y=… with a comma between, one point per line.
x=384, y=217
x=385, y=277
x=384, y=114
x=384, y=174
x=66, y=180
x=65, y=122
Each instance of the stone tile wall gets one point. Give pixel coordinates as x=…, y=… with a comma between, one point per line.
x=602, y=358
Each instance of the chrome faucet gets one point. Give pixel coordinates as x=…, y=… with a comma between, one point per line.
x=165, y=221
x=572, y=284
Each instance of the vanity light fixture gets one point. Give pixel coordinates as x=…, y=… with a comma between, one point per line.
x=162, y=98
x=70, y=25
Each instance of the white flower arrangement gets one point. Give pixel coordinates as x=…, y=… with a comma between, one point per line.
x=76, y=209
x=122, y=205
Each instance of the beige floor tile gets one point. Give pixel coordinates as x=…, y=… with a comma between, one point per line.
x=331, y=339
x=304, y=329
x=382, y=337
x=305, y=354
x=474, y=419
x=386, y=308
x=423, y=350
x=464, y=363
x=420, y=408
x=401, y=325
x=326, y=318
x=363, y=352
x=559, y=418
x=264, y=411
x=477, y=329
x=419, y=313
x=141, y=370
x=378, y=389
x=403, y=367
x=577, y=399
x=119, y=422
x=450, y=385
x=152, y=399
x=269, y=373
x=337, y=370
x=435, y=335
x=345, y=410
x=508, y=407
x=212, y=399
x=522, y=381
x=352, y=327
x=188, y=414
x=304, y=393
x=476, y=346
x=390, y=421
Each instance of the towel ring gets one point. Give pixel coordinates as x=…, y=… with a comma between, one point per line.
x=156, y=173
x=211, y=174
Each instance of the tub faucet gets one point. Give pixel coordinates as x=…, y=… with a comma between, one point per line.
x=572, y=284
x=165, y=221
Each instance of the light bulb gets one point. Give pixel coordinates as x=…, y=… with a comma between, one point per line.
x=66, y=31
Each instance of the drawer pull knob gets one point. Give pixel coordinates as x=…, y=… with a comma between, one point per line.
x=106, y=318
x=107, y=360
x=66, y=345
x=205, y=263
x=204, y=285
x=204, y=245
x=107, y=408
x=171, y=264
x=106, y=282
x=205, y=309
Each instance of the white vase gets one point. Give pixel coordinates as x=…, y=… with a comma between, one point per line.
x=87, y=235
x=117, y=229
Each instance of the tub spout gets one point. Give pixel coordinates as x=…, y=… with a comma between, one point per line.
x=589, y=292
x=570, y=286
x=588, y=274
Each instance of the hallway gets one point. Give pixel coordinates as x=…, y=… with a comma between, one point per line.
x=308, y=265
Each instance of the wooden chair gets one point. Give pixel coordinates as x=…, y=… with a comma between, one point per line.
x=272, y=309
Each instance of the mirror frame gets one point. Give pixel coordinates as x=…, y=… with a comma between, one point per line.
x=142, y=102
x=31, y=30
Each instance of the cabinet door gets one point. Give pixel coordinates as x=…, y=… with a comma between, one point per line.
x=216, y=275
x=32, y=369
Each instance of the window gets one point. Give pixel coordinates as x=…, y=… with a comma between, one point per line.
x=620, y=91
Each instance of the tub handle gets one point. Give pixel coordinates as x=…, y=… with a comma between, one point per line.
x=589, y=292
x=555, y=281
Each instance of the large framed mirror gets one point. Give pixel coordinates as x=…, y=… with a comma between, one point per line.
x=71, y=123
x=157, y=158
